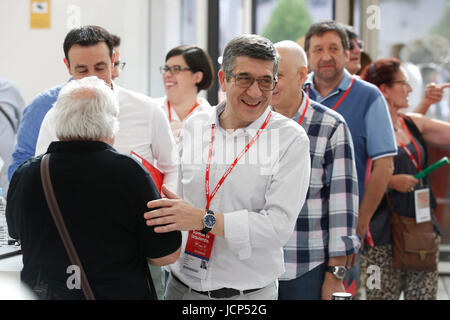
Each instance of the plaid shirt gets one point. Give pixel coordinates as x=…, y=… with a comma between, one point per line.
x=326, y=226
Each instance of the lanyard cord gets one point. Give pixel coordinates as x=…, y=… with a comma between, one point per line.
x=208, y=164
x=343, y=96
x=190, y=111
x=417, y=165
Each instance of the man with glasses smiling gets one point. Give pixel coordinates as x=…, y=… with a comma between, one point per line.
x=243, y=180
x=144, y=128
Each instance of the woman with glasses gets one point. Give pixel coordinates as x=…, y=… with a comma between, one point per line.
x=187, y=71
x=412, y=132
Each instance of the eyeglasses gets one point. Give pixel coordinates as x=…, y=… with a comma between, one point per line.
x=120, y=65
x=173, y=69
x=246, y=81
x=359, y=43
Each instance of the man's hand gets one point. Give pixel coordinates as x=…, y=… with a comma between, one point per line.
x=330, y=285
x=173, y=213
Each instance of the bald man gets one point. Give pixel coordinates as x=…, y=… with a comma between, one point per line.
x=325, y=234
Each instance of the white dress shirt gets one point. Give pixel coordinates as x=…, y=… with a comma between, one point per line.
x=144, y=129
x=260, y=199
x=203, y=105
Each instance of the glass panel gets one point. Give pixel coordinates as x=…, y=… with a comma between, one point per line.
x=188, y=22
x=289, y=19
x=408, y=32
x=230, y=21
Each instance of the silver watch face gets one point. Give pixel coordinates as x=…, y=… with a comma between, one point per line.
x=339, y=272
x=209, y=221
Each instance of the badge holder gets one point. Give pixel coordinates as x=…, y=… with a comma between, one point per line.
x=197, y=254
x=422, y=203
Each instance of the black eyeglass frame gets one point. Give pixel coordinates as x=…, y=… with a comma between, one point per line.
x=253, y=79
x=176, y=69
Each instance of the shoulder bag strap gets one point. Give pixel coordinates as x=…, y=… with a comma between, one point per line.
x=61, y=226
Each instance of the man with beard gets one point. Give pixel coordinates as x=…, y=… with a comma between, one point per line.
x=365, y=111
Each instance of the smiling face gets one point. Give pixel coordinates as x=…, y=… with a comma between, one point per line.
x=90, y=61
x=327, y=56
x=291, y=76
x=354, y=63
x=177, y=85
x=245, y=105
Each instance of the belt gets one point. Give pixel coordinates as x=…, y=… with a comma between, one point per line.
x=222, y=293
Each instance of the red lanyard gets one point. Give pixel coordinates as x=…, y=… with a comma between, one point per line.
x=190, y=111
x=304, y=111
x=209, y=197
x=343, y=96
x=417, y=165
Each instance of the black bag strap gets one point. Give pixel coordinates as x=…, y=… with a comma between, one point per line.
x=11, y=122
x=61, y=226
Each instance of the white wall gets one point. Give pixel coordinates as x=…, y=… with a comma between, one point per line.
x=33, y=58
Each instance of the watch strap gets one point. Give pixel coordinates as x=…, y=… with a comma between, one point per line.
x=206, y=229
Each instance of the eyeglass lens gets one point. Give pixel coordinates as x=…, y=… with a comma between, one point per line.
x=245, y=81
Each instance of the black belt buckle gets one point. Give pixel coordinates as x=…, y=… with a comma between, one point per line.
x=223, y=293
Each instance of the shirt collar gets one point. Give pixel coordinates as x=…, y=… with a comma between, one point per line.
x=251, y=128
x=302, y=106
x=342, y=86
x=61, y=146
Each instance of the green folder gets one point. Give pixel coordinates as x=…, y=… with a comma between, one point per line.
x=431, y=168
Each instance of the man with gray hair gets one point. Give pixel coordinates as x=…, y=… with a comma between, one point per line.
x=325, y=232
x=102, y=195
x=242, y=196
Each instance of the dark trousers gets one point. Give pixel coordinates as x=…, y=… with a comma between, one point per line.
x=306, y=287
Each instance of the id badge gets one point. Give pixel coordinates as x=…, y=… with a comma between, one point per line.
x=422, y=205
x=197, y=254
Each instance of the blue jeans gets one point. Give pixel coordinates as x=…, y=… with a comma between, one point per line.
x=306, y=287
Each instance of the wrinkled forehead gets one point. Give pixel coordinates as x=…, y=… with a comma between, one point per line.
x=252, y=66
x=326, y=39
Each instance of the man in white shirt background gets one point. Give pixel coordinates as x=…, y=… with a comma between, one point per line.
x=144, y=128
x=243, y=178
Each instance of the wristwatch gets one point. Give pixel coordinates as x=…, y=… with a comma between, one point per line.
x=338, y=271
x=209, y=221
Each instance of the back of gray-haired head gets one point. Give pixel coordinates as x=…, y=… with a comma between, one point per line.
x=86, y=109
x=252, y=46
